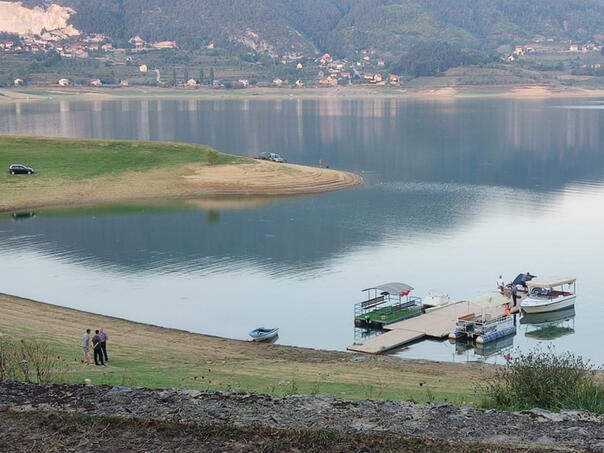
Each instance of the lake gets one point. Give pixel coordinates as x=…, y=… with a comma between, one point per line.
x=457, y=192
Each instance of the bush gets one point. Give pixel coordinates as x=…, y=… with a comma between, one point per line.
x=212, y=156
x=29, y=361
x=546, y=380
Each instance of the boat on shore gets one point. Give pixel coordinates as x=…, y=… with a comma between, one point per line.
x=549, y=294
x=264, y=334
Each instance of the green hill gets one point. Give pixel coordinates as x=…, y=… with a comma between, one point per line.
x=341, y=27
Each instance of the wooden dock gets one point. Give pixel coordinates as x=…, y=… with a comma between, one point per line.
x=437, y=323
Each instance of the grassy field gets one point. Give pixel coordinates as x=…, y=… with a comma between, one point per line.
x=148, y=356
x=75, y=159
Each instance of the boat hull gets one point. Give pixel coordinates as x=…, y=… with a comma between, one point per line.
x=263, y=335
x=538, y=306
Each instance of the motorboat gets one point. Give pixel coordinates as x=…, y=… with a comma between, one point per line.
x=435, y=299
x=264, y=334
x=549, y=294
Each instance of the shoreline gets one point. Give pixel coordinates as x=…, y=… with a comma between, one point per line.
x=236, y=177
x=54, y=93
x=177, y=358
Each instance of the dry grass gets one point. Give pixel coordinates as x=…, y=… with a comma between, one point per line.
x=157, y=357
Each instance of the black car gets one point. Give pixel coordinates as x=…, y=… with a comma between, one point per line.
x=18, y=169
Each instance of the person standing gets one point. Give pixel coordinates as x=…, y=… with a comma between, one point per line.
x=98, y=352
x=85, y=345
x=104, y=337
x=500, y=284
x=514, y=295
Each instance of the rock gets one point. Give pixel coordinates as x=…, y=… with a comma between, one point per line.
x=547, y=415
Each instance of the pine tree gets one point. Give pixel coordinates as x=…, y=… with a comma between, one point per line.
x=211, y=80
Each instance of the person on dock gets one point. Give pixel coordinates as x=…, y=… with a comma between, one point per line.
x=98, y=352
x=526, y=278
x=500, y=284
x=104, y=337
x=514, y=292
x=85, y=345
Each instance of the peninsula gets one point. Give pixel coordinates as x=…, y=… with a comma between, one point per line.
x=82, y=171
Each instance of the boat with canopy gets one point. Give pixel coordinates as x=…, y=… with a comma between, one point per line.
x=387, y=303
x=549, y=294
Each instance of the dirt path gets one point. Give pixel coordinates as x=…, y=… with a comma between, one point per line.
x=258, y=178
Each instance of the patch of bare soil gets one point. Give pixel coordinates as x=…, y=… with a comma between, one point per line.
x=39, y=432
x=259, y=178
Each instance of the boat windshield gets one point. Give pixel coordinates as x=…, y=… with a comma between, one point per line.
x=547, y=293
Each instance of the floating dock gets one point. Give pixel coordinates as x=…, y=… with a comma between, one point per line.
x=436, y=323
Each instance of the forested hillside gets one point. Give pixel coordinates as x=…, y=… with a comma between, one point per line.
x=341, y=27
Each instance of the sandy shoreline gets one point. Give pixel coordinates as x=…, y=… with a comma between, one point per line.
x=430, y=93
x=254, y=179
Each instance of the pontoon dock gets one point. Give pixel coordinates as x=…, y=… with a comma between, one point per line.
x=436, y=323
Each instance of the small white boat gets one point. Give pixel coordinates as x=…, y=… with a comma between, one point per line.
x=549, y=294
x=435, y=299
x=263, y=334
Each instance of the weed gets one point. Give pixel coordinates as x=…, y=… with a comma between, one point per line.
x=543, y=379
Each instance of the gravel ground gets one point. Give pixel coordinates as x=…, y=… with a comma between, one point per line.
x=571, y=431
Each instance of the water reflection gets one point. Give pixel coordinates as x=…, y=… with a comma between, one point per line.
x=456, y=194
x=549, y=326
x=508, y=143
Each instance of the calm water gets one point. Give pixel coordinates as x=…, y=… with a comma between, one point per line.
x=457, y=192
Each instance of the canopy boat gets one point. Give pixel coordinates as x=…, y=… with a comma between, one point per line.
x=263, y=334
x=387, y=303
x=549, y=294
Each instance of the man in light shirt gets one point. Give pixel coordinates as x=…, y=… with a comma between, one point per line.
x=85, y=345
x=500, y=284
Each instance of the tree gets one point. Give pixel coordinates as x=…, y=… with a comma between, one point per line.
x=211, y=80
x=174, y=82
x=201, y=76
x=186, y=75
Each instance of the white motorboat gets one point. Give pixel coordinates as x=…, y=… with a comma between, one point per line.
x=435, y=299
x=549, y=294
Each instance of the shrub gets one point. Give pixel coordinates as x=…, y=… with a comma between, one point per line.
x=29, y=361
x=212, y=156
x=546, y=380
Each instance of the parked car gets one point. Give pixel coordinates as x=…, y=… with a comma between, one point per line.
x=274, y=157
x=18, y=169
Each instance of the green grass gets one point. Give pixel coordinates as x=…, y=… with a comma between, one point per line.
x=75, y=159
x=386, y=315
x=544, y=379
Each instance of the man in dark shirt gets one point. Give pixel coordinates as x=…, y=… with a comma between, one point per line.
x=104, y=337
x=98, y=352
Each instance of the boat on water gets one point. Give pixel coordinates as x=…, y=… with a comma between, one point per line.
x=483, y=328
x=386, y=304
x=435, y=299
x=549, y=294
x=264, y=334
